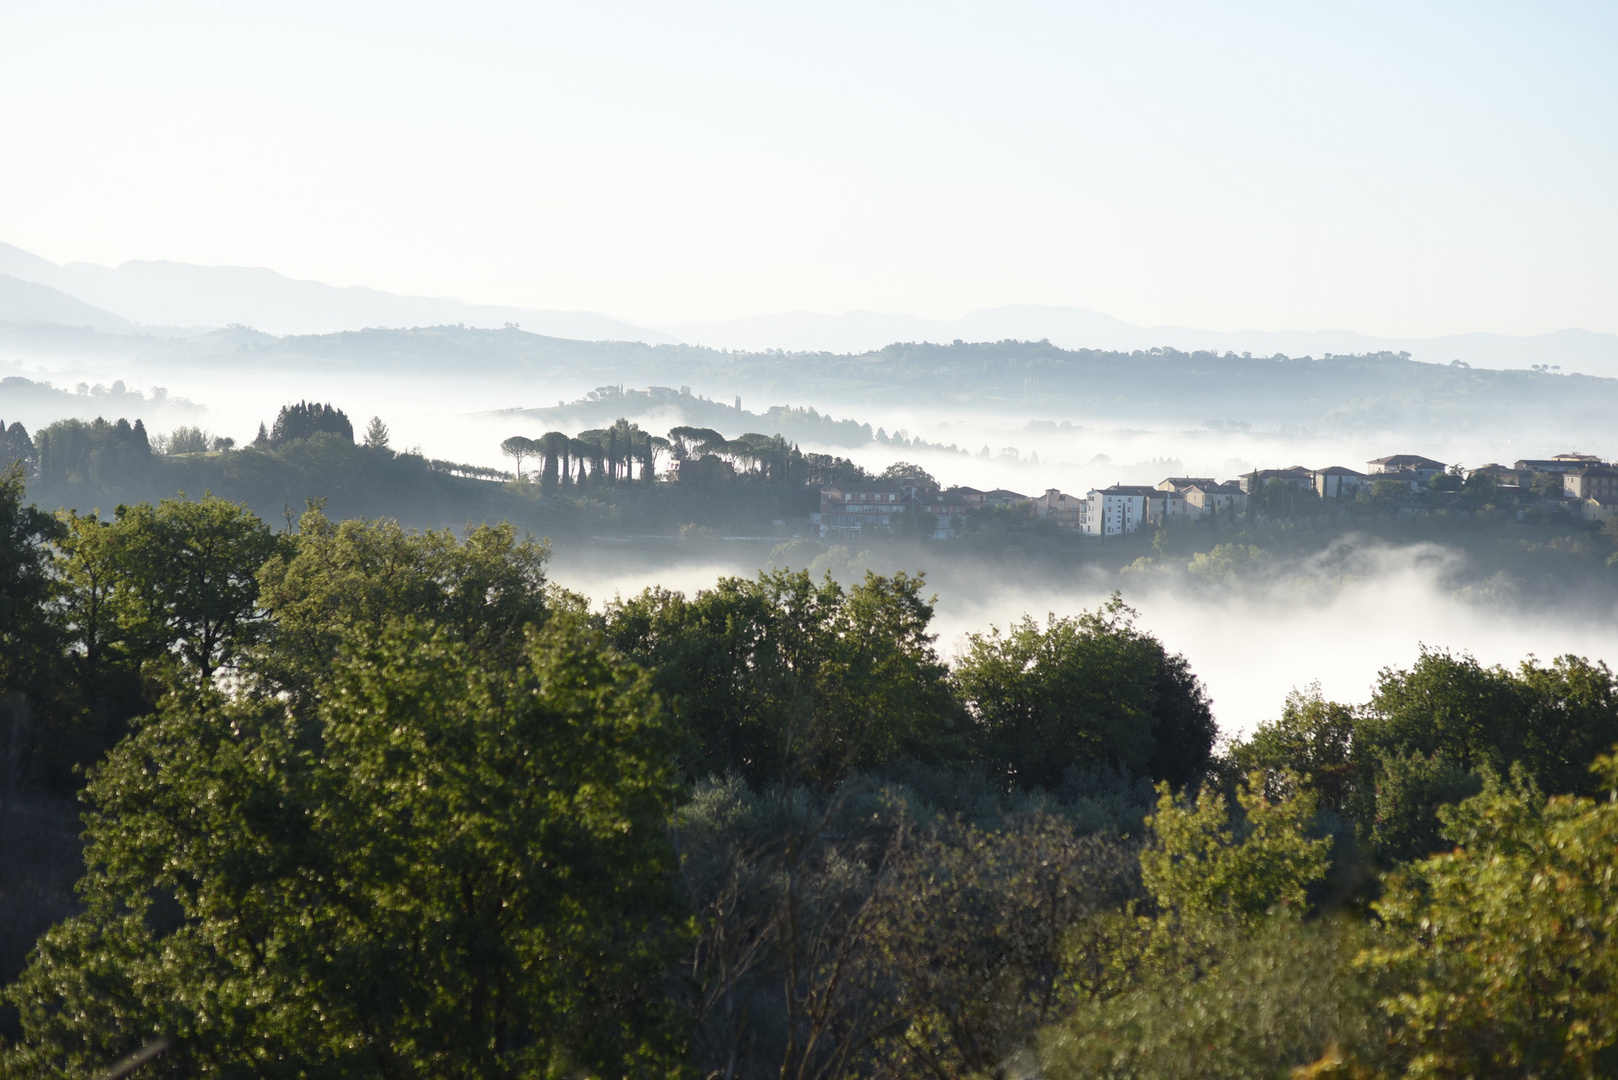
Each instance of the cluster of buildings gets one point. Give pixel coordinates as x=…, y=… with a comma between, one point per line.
x=1588, y=486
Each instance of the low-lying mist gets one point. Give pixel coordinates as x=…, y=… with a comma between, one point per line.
x=1336, y=618
x=1313, y=621
x=463, y=416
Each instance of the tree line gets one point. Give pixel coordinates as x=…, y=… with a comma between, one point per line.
x=624, y=453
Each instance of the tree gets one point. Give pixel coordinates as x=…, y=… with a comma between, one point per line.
x=186, y=440
x=1226, y=979
x=1199, y=868
x=902, y=472
x=376, y=434
x=188, y=580
x=689, y=442
x=584, y=452
x=15, y=446
x=333, y=581
x=651, y=449
x=446, y=871
x=1082, y=690
x=97, y=454
x=27, y=638
x=1504, y=950
x=973, y=944
x=31, y=643
x=306, y=420
x=1310, y=741
x=518, y=447
x=1286, y=1001
x=103, y=662
x=784, y=680
x=553, y=445
x=1387, y=488
x=1431, y=732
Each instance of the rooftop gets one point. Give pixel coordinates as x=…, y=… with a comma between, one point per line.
x=858, y=487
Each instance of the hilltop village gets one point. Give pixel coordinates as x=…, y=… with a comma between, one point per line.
x=1576, y=484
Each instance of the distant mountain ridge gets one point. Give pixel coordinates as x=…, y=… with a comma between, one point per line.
x=1586, y=351
x=30, y=302
x=185, y=295
x=171, y=294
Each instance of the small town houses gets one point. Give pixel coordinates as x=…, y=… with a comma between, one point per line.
x=1575, y=483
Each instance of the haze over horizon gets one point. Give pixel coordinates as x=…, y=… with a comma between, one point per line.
x=171, y=297
x=1166, y=164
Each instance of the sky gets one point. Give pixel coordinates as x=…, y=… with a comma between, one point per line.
x=1402, y=169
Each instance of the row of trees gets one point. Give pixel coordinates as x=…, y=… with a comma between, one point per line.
x=109, y=454
x=602, y=455
x=363, y=801
x=623, y=453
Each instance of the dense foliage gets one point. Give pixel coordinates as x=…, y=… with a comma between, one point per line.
x=306, y=420
x=367, y=801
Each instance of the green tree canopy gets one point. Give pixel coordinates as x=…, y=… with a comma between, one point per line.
x=187, y=580
x=446, y=872
x=333, y=580
x=1504, y=950
x=783, y=679
x=1082, y=690
x=307, y=419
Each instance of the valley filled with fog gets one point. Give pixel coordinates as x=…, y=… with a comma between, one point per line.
x=1251, y=639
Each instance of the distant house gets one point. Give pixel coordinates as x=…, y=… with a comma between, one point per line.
x=1115, y=510
x=1418, y=470
x=1180, y=483
x=1297, y=476
x=849, y=509
x=1599, y=509
x=950, y=508
x=1504, y=477
x=1168, y=501
x=1065, y=510
x=1591, y=482
x=1561, y=463
x=1336, y=482
x=1165, y=503
x=1002, y=497
x=1214, y=499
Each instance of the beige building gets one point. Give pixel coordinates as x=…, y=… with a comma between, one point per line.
x=1066, y=510
x=1591, y=482
x=1217, y=499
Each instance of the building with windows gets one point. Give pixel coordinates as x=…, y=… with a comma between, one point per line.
x=1065, y=510
x=1337, y=482
x=1412, y=467
x=1002, y=497
x=950, y=508
x=849, y=509
x=1591, y=482
x=1115, y=510
x=1561, y=463
x=1223, y=501
x=1253, y=483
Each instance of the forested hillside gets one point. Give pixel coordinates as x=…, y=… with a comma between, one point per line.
x=1374, y=392
x=361, y=801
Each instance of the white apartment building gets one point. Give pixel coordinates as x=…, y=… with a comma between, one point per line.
x=1115, y=510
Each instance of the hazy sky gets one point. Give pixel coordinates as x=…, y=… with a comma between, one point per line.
x=1400, y=168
